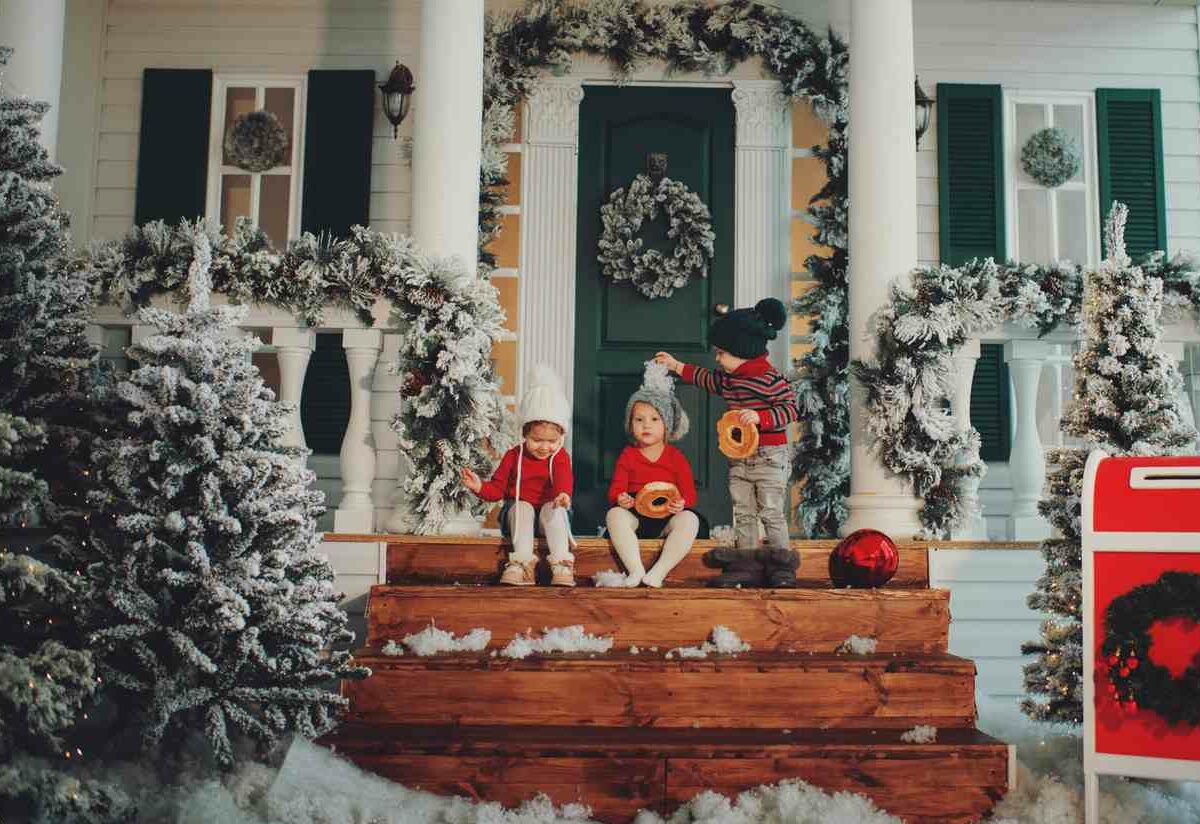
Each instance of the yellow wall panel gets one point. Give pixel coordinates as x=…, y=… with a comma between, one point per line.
x=512, y=194
x=504, y=353
x=808, y=176
x=509, y=300
x=507, y=245
x=808, y=130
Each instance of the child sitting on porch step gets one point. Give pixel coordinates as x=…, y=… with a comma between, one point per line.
x=653, y=416
x=534, y=479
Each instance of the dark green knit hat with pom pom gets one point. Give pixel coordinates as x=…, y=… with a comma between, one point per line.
x=744, y=333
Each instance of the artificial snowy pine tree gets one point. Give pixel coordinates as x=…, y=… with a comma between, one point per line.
x=215, y=613
x=1126, y=403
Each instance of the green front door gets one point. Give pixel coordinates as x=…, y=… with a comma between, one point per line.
x=616, y=328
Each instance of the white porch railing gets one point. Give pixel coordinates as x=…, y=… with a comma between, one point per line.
x=369, y=462
x=1041, y=378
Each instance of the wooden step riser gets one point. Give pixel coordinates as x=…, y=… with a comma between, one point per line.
x=706, y=696
x=913, y=621
x=440, y=562
x=928, y=784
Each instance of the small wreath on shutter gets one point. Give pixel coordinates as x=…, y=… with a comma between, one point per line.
x=654, y=274
x=1051, y=157
x=256, y=141
x=1135, y=681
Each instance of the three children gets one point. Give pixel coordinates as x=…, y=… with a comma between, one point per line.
x=535, y=476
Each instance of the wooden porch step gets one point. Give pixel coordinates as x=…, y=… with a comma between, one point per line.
x=619, y=771
x=760, y=690
x=802, y=620
x=421, y=559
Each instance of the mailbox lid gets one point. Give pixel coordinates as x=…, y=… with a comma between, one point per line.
x=1143, y=494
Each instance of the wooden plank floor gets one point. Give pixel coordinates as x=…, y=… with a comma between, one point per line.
x=804, y=620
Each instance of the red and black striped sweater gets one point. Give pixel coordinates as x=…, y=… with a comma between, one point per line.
x=757, y=385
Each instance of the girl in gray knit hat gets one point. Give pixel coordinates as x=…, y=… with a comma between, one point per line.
x=653, y=417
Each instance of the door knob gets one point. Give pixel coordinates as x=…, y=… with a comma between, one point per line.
x=721, y=308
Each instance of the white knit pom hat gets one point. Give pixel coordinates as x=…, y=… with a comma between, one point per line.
x=544, y=399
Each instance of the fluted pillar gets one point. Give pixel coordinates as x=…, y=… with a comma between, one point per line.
x=762, y=200
x=549, y=196
x=34, y=29
x=447, y=130
x=883, y=230
x=1026, y=459
x=973, y=526
x=293, y=349
x=356, y=512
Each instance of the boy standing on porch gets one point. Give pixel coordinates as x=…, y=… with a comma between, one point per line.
x=747, y=381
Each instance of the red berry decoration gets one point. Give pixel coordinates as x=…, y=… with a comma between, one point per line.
x=1132, y=663
x=865, y=558
x=1112, y=660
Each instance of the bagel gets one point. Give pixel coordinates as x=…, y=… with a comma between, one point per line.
x=735, y=439
x=655, y=498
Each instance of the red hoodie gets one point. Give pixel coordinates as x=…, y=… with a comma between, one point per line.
x=536, y=486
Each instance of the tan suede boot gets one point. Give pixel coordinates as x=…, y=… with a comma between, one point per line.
x=562, y=573
x=519, y=573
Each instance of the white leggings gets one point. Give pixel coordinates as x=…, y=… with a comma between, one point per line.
x=553, y=525
x=679, y=532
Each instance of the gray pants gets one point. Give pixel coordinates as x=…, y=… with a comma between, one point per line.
x=758, y=487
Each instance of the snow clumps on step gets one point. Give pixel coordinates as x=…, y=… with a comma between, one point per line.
x=724, y=641
x=723, y=535
x=557, y=639
x=392, y=648
x=609, y=578
x=859, y=645
x=432, y=641
x=793, y=801
x=920, y=734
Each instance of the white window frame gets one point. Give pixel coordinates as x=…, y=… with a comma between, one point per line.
x=1013, y=179
x=216, y=139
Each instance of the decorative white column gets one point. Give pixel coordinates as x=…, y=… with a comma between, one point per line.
x=974, y=527
x=34, y=29
x=1026, y=458
x=356, y=512
x=549, y=203
x=293, y=348
x=447, y=130
x=1177, y=350
x=384, y=395
x=883, y=230
x=762, y=200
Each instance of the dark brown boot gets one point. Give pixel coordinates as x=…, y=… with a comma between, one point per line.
x=780, y=567
x=740, y=568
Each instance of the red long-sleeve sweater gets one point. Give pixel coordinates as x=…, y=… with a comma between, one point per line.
x=536, y=485
x=634, y=470
x=757, y=385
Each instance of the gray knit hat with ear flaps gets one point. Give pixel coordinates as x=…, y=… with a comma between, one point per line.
x=658, y=390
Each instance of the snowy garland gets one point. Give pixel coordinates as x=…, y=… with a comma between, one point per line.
x=689, y=224
x=1134, y=679
x=522, y=47
x=450, y=322
x=1050, y=157
x=256, y=142
x=930, y=314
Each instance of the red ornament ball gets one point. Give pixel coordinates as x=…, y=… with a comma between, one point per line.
x=865, y=558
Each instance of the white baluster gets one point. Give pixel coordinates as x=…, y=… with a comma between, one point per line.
x=973, y=527
x=385, y=400
x=1027, y=459
x=1176, y=349
x=356, y=513
x=293, y=348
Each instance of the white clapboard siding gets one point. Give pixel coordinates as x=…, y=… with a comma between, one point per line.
x=1067, y=47
x=356, y=568
x=989, y=616
x=285, y=37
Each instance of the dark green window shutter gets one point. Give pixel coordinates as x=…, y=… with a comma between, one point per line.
x=1130, y=154
x=173, y=145
x=325, y=403
x=989, y=402
x=970, y=173
x=337, y=151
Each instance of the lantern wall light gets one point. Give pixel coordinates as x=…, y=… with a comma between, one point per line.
x=397, y=96
x=924, y=106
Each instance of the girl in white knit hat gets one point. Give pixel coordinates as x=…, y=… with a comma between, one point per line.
x=535, y=481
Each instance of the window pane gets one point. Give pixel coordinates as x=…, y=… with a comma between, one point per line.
x=1033, y=226
x=282, y=104
x=1069, y=118
x=239, y=100
x=274, y=202
x=1072, y=225
x=235, y=199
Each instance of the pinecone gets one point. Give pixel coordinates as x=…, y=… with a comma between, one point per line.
x=428, y=297
x=443, y=449
x=413, y=383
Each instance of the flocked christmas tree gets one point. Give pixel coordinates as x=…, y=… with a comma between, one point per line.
x=215, y=613
x=47, y=678
x=1126, y=403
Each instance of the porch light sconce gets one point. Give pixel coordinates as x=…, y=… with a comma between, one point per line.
x=397, y=95
x=924, y=105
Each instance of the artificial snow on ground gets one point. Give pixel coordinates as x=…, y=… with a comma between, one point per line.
x=609, y=578
x=920, y=734
x=722, y=641
x=557, y=639
x=434, y=641
x=858, y=645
